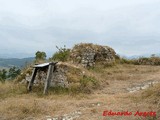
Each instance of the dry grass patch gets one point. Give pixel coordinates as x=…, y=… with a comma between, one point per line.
x=125, y=72
x=17, y=104
x=21, y=108
x=9, y=89
x=152, y=95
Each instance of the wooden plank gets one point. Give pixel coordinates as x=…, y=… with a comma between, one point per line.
x=48, y=79
x=32, y=79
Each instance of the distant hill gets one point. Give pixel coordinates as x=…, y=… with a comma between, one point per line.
x=9, y=62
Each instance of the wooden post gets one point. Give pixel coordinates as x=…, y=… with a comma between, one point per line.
x=48, y=79
x=32, y=79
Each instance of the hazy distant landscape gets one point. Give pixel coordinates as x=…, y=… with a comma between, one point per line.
x=17, y=62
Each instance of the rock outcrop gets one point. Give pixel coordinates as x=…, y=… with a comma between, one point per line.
x=88, y=54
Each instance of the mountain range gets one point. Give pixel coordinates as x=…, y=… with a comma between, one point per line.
x=10, y=62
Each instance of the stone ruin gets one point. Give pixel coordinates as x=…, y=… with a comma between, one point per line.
x=66, y=74
x=62, y=75
x=88, y=54
x=58, y=77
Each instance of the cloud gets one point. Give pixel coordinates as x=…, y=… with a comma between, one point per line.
x=130, y=27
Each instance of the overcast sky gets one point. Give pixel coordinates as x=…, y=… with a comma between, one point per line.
x=131, y=27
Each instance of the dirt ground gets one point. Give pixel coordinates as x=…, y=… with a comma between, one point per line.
x=114, y=95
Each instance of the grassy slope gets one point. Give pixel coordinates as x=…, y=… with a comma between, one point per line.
x=16, y=103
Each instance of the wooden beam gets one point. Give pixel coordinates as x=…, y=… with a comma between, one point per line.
x=31, y=82
x=48, y=79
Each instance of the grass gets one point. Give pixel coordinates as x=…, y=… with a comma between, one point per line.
x=87, y=84
x=124, y=72
x=9, y=89
x=24, y=108
x=16, y=103
x=153, y=94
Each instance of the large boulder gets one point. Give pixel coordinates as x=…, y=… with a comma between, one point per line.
x=88, y=54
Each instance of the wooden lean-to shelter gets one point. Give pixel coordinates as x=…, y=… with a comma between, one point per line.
x=50, y=67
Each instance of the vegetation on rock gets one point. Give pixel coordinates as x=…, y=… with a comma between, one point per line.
x=61, y=55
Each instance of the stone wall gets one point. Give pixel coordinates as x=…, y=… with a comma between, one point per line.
x=61, y=76
x=89, y=54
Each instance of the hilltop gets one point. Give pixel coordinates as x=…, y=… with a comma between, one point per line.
x=90, y=80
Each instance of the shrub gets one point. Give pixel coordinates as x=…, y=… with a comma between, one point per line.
x=85, y=85
x=13, y=72
x=2, y=80
x=61, y=55
x=88, y=83
x=148, y=61
x=125, y=61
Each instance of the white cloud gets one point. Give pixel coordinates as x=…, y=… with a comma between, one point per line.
x=129, y=26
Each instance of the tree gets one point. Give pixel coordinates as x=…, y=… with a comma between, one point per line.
x=13, y=72
x=3, y=75
x=40, y=55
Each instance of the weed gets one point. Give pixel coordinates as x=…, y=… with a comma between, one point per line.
x=61, y=55
x=88, y=83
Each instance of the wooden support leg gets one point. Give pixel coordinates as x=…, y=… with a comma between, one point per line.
x=32, y=79
x=48, y=79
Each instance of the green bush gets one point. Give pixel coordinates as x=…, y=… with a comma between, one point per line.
x=88, y=83
x=61, y=55
x=2, y=80
x=13, y=72
x=125, y=61
x=3, y=75
x=153, y=60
